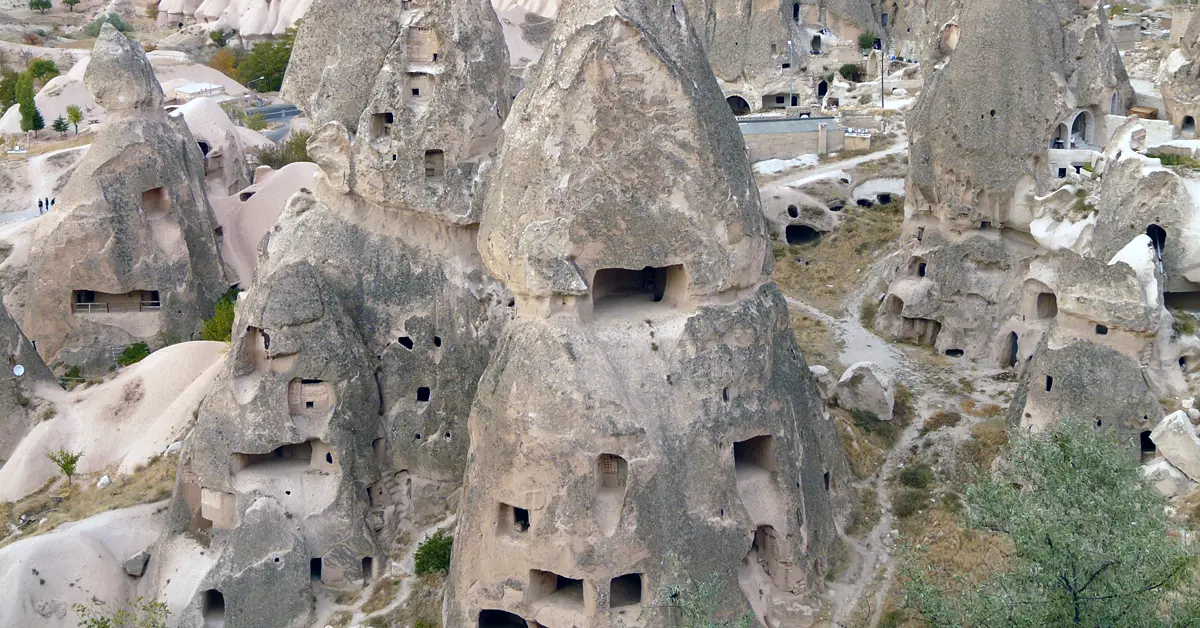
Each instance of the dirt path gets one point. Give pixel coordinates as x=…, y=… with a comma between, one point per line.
x=40, y=185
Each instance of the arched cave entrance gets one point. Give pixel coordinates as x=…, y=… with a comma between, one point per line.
x=1013, y=350
x=815, y=44
x=1189, y=126
x=822, y=89
x=796, y=12
x=801, y=234
x=738, y=105
x=1158, y=237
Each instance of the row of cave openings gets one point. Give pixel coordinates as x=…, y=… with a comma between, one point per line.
x=756, y=474
x=212, y=601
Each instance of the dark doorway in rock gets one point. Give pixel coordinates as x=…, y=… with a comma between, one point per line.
x=625, y=590
x=1013, y=348
x=368, y=569
x=614, y=286
x=566, y=591
x=954, y=353
x=755, y=453
x=512, y=520
x=865, y=202
x=1158, y=237
x=1049, y=383
x=1189, y=126
x=884, y=198
x=314, y=569
x=793, y=211
x=801, y=234
x=1148, y=446
x=796, y=12
x=921, y=269
x=738, y=105
x=822, y=89
x=500, y=619
x=816, y=44
x=204, y=147
x=423, y=394
x=435, y=164
x=1101, y=330
x=827, y=482
x=212, y=608
x=1047, y=305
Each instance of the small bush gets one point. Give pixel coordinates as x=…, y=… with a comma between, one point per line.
x=866, y=40
x=1184, y=323
x=48, y=413
x=133, y=354
x=140, y=613
x=908, y=502
x=93, y=29
x=866, y=314
x=916, y=476
x=66, y=460
x=219, y=328
x=433, y=554
x=294, y=149
x=870, y=424
x=851, y=72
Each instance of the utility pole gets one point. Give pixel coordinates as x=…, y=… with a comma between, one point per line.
x=791, y=75
x=882, y=65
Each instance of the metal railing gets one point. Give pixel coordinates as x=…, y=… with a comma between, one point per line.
x=109, y=308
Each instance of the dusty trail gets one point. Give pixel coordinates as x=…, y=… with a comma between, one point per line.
x=40, y=186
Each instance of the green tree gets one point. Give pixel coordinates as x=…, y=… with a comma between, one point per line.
x=219, y=328
x=851, y=72
x=71, y=4
x=93, y=29
x=60, y=125
x=66, y=460
x=39, y=5
x=31, y=118
x=8, y=89
x=133, y=354
x=42, y=69
x=866, y=40
x=75, y=116
x=433, y=554
x=264, y=67
x=1093, y=546
x=293, y=149
x=701, y=604
x=140, y=613
x=220, y=37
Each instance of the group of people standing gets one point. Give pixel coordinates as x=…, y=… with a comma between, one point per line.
x=44, y=205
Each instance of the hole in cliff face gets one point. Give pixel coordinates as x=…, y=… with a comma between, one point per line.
x=801, y=234
x=1189, y=127
x=156, y=202
x=368, y=569
x=406, y=342
x=793, y=211
x=1013, y=349
x=1047, y=305
x=423, y=394
x=513, y=520
x=314, y=569
x=1101, y=330
x=822, y=89
x=1158, y=237
x=500, y=619
x=551, y=587
x=954, y=353
x=738, y=105
x=1049, y=383
x=212, y=608
x=612, y=476
x=1148, y=446
x=617, y=287
x=625, y=590
x=435, y=164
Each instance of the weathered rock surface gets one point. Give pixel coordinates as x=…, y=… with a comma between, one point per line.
x=129, y=254
x=1168, y=479
x=18, y=394
x=1176, y=439
x=338, y=429
x=862, y=387
x=136, y=565
x=648, y=414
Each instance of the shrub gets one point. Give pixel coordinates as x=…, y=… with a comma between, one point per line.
x=433, y=554
x=133, y=354
x=152, y=11
x=1184, y=323
x=43, y=69
x=40, y=6
x=93, y=29
x=265, y=65
x=916, y=476
x=908, y=502
x=293, y=149
x=225, y=62
x=220, y=37
x=140, y=613
x=219, y=328
x=66, y=460
x=866, y=40
x=851, y=72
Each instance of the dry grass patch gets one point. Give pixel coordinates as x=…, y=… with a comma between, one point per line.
x=987, y=438
x=987, y=410
x=940, y=420
x=382, y=595
x=865, y=453
x=866, y=511
x=817, y=341
x=423, y=609
x=823, y=273
x=58, y=506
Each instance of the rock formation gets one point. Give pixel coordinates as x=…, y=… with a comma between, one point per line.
x=249, y=18
x=338, y=429
x=1179, y=80
x=23, y=373
x=225, y=167
x=648, y=414
x=129, y=252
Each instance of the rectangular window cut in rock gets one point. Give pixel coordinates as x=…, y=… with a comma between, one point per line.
x=609, y=494
x=435, y=164
x=623, y=290
x=625, y=590
x=550, y=588
x=381, y=124
x=513, y=520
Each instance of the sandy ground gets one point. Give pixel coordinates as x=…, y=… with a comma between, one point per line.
x=39, y=177
x=43, y=576
x=121, y=422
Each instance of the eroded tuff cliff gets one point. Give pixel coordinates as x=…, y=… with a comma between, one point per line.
x=648, y=414
x=18, y=386
x=129, y=253
x=338, y=430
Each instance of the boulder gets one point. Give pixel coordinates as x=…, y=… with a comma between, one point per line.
x=1169, y=480
x=136, y=565
x=1176, y=439
x=825, y=381
x=104, y=482
x=863, y=387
